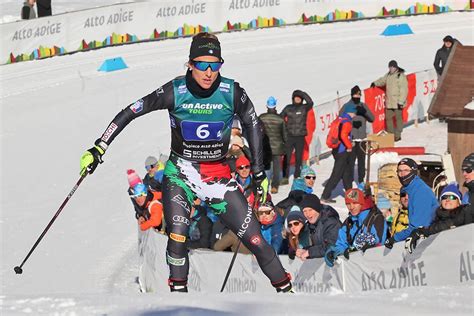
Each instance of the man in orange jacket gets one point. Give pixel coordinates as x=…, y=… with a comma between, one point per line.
x=148, y=208
x=342, y=154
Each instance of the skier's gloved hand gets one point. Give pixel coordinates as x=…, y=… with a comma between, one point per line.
x=92, y=157
x=412, y=240
x=261, y=183
x=389, y=242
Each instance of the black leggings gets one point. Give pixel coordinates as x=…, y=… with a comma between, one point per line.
x=211, y=182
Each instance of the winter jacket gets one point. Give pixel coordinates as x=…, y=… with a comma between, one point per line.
x=153, y=182
x=367, y=229
x=468, y=197
x=422, y=206
x=152, y=211
x=396, y=88
x=272, y=232
x=359, y=122
x=304, y=242
x=275, y=129
x=345, y=130
x=446, y=219
x=295, y=115
x=400, y=222
x=441, y=58
x=294, y=198
x=200, y=229
x=324, y=232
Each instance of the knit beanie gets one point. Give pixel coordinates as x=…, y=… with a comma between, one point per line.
x=468, y=162
x=133, y=178
x=355, y=90
x=409, y=162
x=312, y=201
x=295, y=214
x=204, y=46
x=451, y=189
x=307, y=171
x=355, y=196
x=242, y=161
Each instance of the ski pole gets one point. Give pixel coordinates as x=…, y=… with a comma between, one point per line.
x=18, y=269
x=257, y=197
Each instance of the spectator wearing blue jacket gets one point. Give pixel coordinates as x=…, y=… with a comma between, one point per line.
x=363, y=228
x=271, y=225
x=468, y=175
x=422, y=203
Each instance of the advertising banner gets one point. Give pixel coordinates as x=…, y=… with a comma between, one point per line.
x=153, y=20
x=451, y=252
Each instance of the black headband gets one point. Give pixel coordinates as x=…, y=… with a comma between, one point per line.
x=205, y=47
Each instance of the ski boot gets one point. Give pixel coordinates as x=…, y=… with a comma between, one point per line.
x=178, y=285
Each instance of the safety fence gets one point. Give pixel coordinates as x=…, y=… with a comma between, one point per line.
x=155, y=20
x=443, y=259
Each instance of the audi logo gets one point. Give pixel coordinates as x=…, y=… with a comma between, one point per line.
x=180, y=219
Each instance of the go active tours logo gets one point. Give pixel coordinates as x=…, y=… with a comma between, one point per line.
x=202, y=108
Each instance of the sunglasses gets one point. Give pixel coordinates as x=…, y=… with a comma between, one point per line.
x=150, y=167
x=449, y=197
x=268, y=212
x=244, y=167
x=467, y=170
x=203, y=65
x=296, y=224
x=310, y=177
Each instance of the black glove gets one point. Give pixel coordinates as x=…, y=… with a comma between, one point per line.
x=372, y=85
x=92, y=157
x=412, y=240
x=400, y=106
x=361, y=111
x=346, y=253
x=389, y=242
x=356, y=124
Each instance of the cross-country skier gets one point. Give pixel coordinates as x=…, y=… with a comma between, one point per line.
x=201, y=107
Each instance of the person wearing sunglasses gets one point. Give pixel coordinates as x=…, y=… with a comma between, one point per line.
x=296, y=234
x=468, y=175
x=309, y=177
x=201, y=107
x=422, y=203
x=154, y=173
x=450, y=214
x=271, y=225
x=322, y=223
x=147, y=203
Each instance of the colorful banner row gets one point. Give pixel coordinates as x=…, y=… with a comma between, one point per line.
x=154, y=20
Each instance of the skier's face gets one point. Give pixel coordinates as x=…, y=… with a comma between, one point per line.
x=205, y=78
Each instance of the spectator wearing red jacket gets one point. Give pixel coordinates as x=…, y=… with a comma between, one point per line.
x=342, y=156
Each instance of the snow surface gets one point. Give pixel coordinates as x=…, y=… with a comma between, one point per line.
x=53, y=109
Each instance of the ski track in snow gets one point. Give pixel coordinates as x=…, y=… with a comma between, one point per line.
x=53, y=109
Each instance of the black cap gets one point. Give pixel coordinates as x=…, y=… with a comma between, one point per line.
x=355, y=90
x=409, y=162
x=393, y=63
x=448, y=38
x=205, y=44
x=468, y=162
x=312, y=201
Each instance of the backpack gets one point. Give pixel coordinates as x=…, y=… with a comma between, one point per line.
x=332, y=140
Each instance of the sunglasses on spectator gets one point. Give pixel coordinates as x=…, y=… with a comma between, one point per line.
x=203, y=65
x=149, y=167
x=449, y=197
x=310, y=177
x=296, y=224
x=467, y=170
x=244, y=167
x=266, y=212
